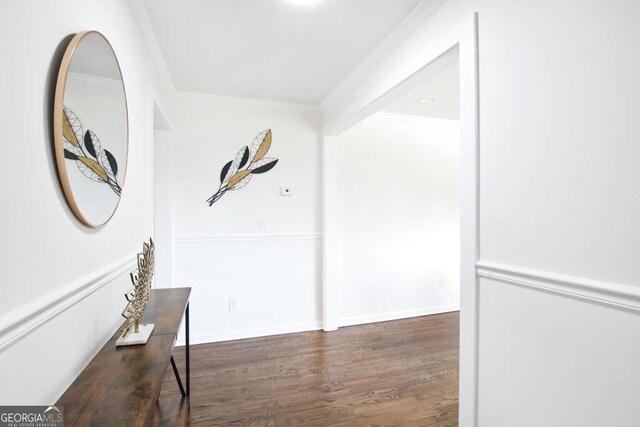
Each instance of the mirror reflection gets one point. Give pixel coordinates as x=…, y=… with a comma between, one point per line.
x=92, y=143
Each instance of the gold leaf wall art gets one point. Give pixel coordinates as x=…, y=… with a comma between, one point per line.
x=248, y=162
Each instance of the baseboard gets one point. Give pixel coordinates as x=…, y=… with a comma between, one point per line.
x=20, y=322
x=396, y=315
x=616, y=295
x=252, y=333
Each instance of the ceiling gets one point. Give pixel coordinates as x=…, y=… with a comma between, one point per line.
x=269, y=49
x=94, y=57
x=437, y=96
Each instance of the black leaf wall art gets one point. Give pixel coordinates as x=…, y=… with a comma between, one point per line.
x=248, y=162
x=95, y=162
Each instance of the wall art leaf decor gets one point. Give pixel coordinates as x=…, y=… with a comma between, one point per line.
x=248, y=162
x=85, y=149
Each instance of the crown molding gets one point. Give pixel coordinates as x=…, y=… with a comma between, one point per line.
x=405, y=27
x=408, y=24
x=149, y=36
x=247, y=102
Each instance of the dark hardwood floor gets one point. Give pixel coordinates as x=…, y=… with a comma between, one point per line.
x=398, y=373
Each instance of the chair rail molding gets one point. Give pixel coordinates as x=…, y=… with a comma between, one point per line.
x=20, y=322
x=247, y=237
x=616, y=295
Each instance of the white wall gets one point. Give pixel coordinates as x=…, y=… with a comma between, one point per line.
x=576, y=357
x=220, y=251
x=399, y=218
x=62, y=283
x=559, y=193
x=559, y=203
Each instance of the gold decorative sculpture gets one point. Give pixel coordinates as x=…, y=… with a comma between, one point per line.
x=137, y=299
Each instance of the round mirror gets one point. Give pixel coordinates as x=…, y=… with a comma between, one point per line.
x=91, y=128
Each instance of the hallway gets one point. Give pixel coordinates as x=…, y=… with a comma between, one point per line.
x=402, y=372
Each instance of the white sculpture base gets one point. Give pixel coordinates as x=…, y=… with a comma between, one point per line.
x=132, y=338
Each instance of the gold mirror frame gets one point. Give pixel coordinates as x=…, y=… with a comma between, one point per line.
x=58, y=137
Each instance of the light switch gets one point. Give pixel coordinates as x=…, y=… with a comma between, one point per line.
x=286, y=191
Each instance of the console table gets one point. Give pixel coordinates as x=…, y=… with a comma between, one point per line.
x=121, y=385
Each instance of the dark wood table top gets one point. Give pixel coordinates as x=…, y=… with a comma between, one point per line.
x=120, y=386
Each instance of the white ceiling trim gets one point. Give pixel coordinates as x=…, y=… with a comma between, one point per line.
x=148, y=34
x=409, y=23
x=249, y=102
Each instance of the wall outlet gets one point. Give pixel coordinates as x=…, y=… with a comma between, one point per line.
x=286, y=191
x=233, y=304
x=442, y=283
x=262, y=224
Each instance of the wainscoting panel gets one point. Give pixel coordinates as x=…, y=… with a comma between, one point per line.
x=65, y=329
x=558, y=333
x=250, y=285
x=563, y=345
x=24, y=320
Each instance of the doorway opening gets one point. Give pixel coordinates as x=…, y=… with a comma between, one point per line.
x=387, y=84
x=398, y=203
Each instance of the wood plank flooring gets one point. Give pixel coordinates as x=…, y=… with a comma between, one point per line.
x=398, y=373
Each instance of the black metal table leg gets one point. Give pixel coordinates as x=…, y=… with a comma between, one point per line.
x=188, y=359
x=187, y=392
x=175, y=372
